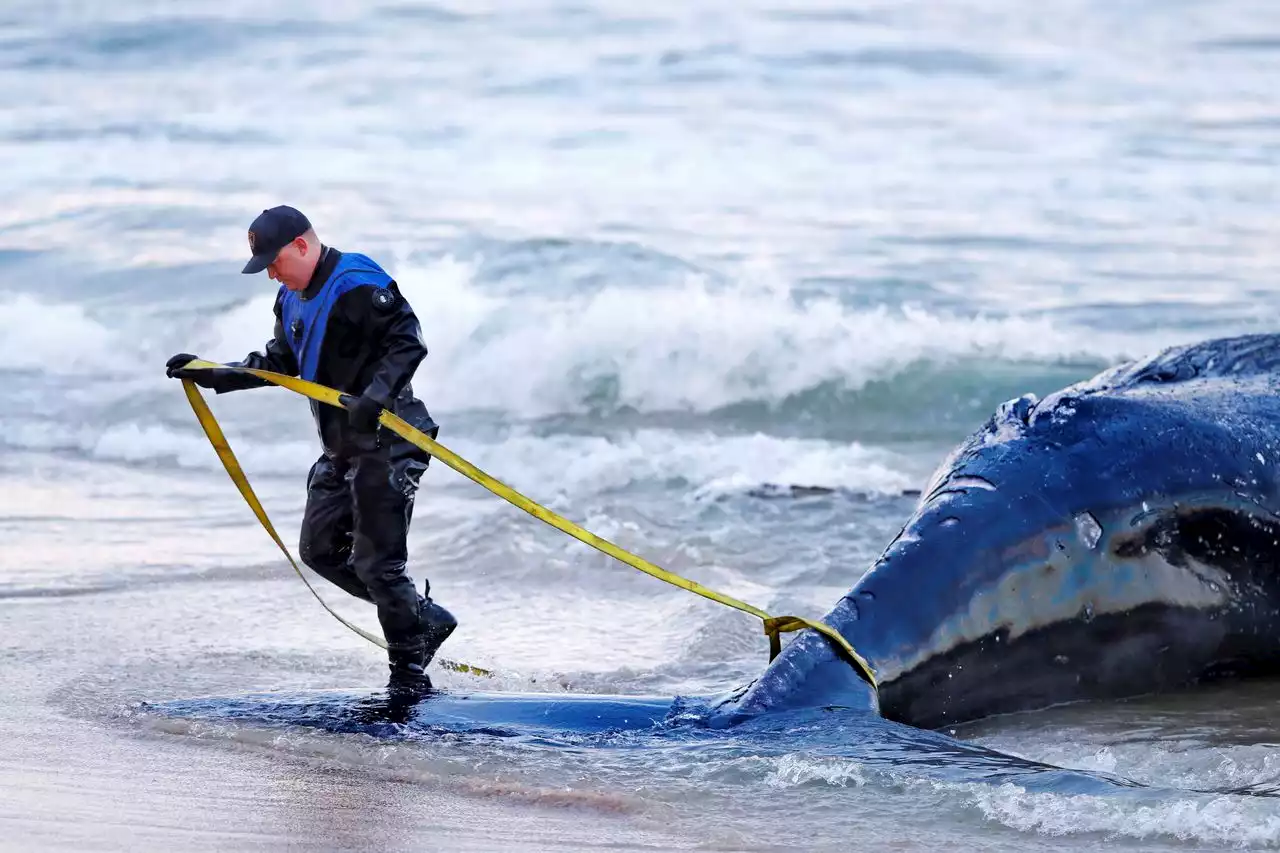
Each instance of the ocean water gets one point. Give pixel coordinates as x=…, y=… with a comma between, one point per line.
x=671, y=261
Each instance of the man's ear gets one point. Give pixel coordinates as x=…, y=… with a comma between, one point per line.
x=300, y=243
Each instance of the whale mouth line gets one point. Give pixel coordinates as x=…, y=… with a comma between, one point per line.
x=960, y=485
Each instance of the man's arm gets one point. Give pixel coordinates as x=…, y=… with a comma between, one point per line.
x=390, y=327
x=276, y=356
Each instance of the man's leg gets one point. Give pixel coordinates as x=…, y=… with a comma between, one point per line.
x=408, y=465
x=325, y=543
x=384, y=485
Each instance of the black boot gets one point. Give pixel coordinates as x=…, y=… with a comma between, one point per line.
x=437, y=624
x=408, y=664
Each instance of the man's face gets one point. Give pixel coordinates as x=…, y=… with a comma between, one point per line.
x=293, y=266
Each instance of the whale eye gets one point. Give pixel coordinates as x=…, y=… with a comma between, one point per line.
x=1088, y=529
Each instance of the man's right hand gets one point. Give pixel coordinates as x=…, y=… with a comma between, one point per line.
x=173, y=367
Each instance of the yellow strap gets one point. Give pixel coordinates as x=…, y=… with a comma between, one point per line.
x=223, y=448
x=773, y=626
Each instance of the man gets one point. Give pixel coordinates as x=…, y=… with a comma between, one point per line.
x=341, y=321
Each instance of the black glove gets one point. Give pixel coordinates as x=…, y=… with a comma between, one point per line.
x=363, y=412
x=173, y=367
x=211, y=379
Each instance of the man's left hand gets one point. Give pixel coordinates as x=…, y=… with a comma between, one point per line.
x=363, y=413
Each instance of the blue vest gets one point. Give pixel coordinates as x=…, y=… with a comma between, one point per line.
x=305, y=320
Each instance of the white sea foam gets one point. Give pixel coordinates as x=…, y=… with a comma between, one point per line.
x=685, y=344
x=52, y=337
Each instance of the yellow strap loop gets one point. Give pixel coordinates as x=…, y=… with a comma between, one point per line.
x=223, y=448
x=773, y=625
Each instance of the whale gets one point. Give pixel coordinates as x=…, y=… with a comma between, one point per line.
x=1119, y=537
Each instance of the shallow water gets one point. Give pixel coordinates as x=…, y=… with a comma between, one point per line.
x=670, y=261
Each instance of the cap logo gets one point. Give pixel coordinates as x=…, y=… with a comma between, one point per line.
x=253, y=242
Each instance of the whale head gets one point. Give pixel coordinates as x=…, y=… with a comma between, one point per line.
x=1115, y=538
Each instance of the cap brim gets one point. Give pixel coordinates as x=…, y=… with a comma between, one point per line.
x=258, y=263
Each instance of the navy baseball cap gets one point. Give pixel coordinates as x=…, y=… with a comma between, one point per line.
x=272, y=231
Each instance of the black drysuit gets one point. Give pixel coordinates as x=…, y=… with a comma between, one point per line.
x=360, y=491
